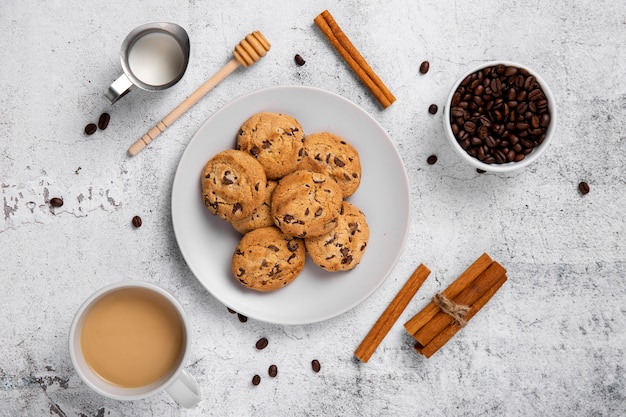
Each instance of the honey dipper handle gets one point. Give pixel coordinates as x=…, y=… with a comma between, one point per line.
x=247, y=52
x=160, y=127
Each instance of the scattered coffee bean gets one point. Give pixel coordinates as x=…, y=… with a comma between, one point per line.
x=231, y=311
x=432, y=109
x=499, y=114
x=480, y=171
x=299, y=60
x=424, y=67
x=90, y=129
x=583, y=187
x=262, y=343
x=272, y=371
x=432, y=160
x=242, y=318
x=137, y=222
x=56, y=202
x=256, y=380
x=315, y=364
x=103, y=121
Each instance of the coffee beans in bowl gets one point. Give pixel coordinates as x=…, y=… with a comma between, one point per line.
x=500, y=116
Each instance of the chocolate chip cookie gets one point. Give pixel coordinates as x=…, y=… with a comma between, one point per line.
x=266, y=259
x=261, y=216
x=306, y=203
x=233, y=184
x=342, y=248
x=273, y=139
x=332, y=155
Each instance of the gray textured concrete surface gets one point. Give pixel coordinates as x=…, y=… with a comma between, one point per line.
x=550, y=343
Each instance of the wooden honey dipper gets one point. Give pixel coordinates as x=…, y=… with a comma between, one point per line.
x=247, y=52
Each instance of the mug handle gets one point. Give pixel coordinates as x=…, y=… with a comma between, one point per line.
x=118, y=89
x=184, y=390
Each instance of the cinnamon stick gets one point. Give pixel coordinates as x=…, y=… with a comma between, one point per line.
x=443, y=337
x=425, y=315
x=391, y=314
x=468, y=296
x=342, y=44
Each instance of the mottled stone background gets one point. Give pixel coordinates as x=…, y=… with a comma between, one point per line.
x=550, y=343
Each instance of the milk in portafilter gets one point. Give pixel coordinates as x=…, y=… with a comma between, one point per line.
x=156, y=58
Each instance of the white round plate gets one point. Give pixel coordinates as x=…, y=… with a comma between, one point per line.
x=207, y=242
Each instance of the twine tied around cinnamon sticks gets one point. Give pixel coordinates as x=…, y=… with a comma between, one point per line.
x=454, y=310
x=449, y=311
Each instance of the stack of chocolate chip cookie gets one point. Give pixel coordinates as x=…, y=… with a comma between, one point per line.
x=285, y=192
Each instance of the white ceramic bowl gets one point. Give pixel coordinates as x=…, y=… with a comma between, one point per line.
x=508, y=166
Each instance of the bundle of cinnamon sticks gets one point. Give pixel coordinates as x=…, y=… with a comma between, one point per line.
x=450, y=310
x=445, y=315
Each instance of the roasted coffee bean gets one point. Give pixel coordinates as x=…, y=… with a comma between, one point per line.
x=299, y=60
x=231, y=311
x=469, y=127
x=510, y=155
x=103, y=121
x=475, y=141
x=583, y=187
x=542, y=105
x=137, y=222
x=424, y=67
x=90, y=129
x=499, y=114
x=315, y=364
x=483, y=132
x=432, y=160
x=432, y=109
x=500, y=156
x=56, y=202
x=272, y=371
x=480, y=153
x=456, y=98
x=509, y=71
x=534, y=121
x=511, y=94
x=457, y=112
x=256, y=380
x=491, y=142
x=262, y=343
x=242, y=318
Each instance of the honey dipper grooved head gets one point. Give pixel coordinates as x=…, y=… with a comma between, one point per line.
x=251, y=49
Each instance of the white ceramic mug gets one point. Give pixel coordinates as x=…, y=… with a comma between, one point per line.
x=177, y=382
